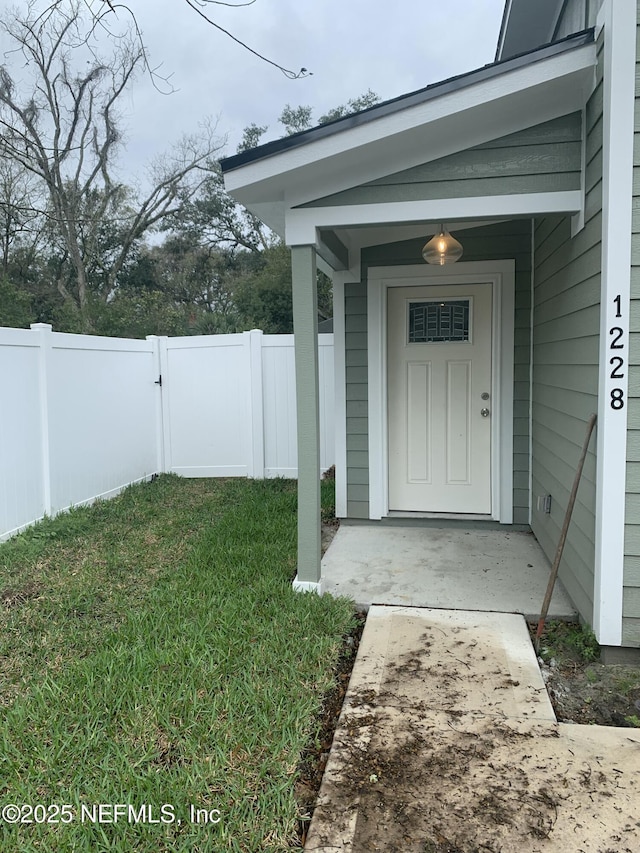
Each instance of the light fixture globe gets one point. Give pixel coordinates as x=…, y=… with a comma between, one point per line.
x=442, y=249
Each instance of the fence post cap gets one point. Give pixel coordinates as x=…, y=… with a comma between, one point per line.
x=37, y=327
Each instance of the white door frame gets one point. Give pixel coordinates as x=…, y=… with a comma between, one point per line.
x=501, y=274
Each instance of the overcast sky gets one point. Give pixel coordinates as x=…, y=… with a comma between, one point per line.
x=389, y=46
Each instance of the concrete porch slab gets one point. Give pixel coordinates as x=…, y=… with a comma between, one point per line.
x=471, y=758
x=489, y=570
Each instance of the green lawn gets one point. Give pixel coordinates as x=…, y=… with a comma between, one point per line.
x=153, y=653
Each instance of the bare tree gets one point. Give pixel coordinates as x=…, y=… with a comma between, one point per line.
x=61, y=125
x=20, y=210
x=103, y=11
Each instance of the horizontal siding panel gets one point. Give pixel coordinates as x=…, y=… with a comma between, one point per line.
x=357, y=409
x=633, y=414
x=582, y=520
x=514, y=160
x=632, y=539
x=594, y=107
x=357, y=459
x=566, y=447
x=357, y=509
x=633, y=446
x=593, y=171
x=632, y=571
x=631, y=603
x=357, y=442
x=355, y=289
x=355, y=323
x=357, y=426
x=634, y=315
x=572, y=252
x=582, y=378
x=582, y=351
x=580, y=406
x=594, y=140
x=559, y=280
x=631, y=632
x=357, y=340
x=355, y=305
x=357, y=476
x=357, y=391
x=584, y=322
x=356, y=358
x=521, y=428
x=593, y=200
x=585, y=294
x=521, y=391
x=574, y=572
x=544, y=226
x=359, y=493
x=578, y=545
x=357, y=374
x=633, y=478
x=564, y=129
x=521, y=464
x=521, y=443
x=520, y=511
x=470, y=188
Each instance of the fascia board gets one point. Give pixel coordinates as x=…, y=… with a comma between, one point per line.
x=514, y=100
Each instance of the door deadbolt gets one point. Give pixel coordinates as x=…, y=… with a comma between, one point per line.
x=484, y=413
x=484, y=395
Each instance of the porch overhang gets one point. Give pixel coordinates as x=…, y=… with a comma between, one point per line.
x=274, y=181
x=312, y=226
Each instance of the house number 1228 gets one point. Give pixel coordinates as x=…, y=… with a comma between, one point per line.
x=617, y=361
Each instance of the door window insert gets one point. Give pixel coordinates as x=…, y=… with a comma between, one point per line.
x=436, y=321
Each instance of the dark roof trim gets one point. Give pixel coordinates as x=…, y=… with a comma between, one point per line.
x=402, y=102
x=503, y=27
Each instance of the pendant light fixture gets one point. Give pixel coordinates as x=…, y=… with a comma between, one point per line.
x=442, y=249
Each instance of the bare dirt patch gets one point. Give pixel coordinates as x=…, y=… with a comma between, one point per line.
x=581, y=689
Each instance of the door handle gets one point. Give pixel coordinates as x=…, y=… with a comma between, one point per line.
x=484, y=413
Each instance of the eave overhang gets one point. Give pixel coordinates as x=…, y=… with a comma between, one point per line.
x=447, y=117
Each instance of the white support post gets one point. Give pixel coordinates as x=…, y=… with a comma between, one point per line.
x=257, y=404
x=618, y=17
x=44, y=331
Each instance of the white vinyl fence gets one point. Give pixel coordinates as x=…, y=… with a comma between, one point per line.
x=82, y=416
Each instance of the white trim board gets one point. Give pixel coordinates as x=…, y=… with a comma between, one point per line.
x=619, y=21
x=302, y=223
x=501, y=274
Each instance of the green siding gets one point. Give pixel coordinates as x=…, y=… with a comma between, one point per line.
x=509, y=240
x=355, y=307
x=566, y=323
x=631, y=599
x=543, y=158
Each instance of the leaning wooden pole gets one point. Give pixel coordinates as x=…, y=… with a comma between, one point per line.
x=563, y=535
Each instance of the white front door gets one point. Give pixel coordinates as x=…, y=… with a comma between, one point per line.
x=439, y=403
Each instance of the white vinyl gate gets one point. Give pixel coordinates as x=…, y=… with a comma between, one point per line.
x=83, y=416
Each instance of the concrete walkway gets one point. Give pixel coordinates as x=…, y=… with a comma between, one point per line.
x=492, y=570
x=447, y=741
